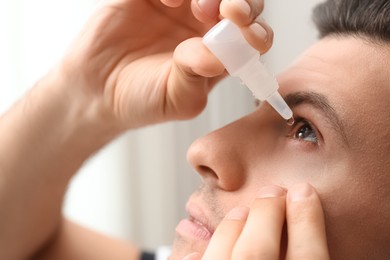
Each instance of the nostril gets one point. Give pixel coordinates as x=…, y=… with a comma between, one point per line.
x=206, y=171
x=225, y=179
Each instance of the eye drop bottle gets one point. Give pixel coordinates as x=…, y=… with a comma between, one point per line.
x=240, y=59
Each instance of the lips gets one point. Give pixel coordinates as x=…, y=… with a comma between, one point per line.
x=196, y=225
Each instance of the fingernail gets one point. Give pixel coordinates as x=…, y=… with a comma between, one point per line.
x=238, y=213
x=271, y=191
x=210, y=8
x=300, y=191
x=259, y=31
x=242, y=5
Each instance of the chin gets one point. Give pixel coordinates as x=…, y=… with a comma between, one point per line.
x=183, y=246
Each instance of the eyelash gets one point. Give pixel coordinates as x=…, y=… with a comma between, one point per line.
x=298, y=125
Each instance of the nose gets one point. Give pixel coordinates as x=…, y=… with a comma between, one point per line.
x=219, y=157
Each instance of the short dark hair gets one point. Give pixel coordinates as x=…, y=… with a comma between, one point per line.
x=362, y=18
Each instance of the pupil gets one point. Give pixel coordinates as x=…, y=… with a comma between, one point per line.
x=304, y=131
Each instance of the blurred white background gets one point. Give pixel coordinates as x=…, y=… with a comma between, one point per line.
x=136, y=187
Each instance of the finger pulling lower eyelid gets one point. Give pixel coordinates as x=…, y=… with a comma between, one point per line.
x=300, y=192
x=238, y=213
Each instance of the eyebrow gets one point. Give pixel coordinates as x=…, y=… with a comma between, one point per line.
x=321, y=103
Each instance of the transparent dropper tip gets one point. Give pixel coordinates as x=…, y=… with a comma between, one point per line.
x=278, y=103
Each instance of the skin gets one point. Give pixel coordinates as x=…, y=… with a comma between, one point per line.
x=98, y=91
x=349, y=172
x=95, y=93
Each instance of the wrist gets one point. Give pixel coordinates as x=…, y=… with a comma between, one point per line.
x=81, y=116
x=59, y=124
x=46, y=137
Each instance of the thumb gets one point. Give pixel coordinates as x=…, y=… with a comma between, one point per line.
x=194, y=72
x=305, y=224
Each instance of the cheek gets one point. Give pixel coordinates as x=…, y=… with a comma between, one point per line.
x=288, y=166
x=352, y=205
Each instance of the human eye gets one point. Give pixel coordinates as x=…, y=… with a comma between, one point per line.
x=304, y=131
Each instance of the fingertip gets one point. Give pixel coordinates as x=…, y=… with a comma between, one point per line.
x=241, y=12
x=300, y=191
x=303, y=204
x=305, y=224
x=259, y=35
x=206, y=11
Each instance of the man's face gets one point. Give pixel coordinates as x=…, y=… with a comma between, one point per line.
x=339, y=91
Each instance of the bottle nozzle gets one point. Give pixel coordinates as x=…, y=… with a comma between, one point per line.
x=291, y=121
x=241, y=60
x=278, y=103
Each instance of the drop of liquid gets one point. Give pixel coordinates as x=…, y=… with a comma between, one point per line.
x=290, y=121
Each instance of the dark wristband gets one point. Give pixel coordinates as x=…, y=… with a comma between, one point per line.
x=147, y=256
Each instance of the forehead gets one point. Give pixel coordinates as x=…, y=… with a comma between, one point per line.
x=354, y=75
x=347, y=63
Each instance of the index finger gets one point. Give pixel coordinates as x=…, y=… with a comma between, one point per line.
x=241, y=12
x=247, y=15
x=305, y=224
x=226, y=235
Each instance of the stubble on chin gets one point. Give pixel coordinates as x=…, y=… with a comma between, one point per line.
x=183, y=247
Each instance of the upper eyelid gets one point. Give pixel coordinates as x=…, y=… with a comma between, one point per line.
x=319, y=102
